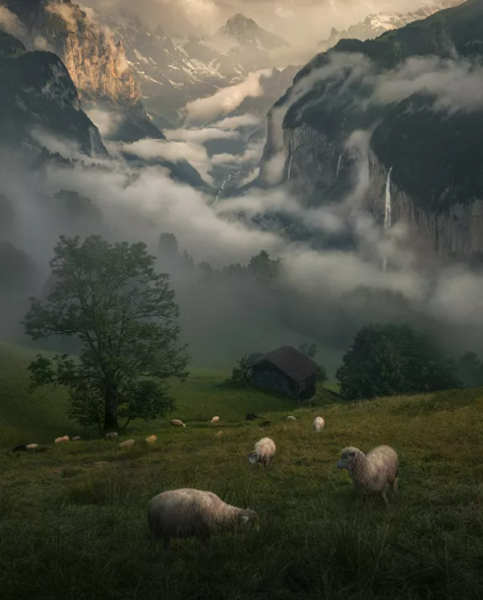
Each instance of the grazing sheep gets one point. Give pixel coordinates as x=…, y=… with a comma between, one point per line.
x=21, y=448
x=61, y=440
x=265, y=424
x=76, y=439
x=32, y=447
x=177, y=423
x=151, y=439
x=373, y=472
x=319, y=424
x=291, y=419
x=219, y=434
x=251, y=417
x=187, y=513
x=215, y=420
x=127, y=444
x=263, y=452
x=113, y=435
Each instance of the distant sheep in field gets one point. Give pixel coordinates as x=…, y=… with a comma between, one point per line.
x=215, y=420
x=76, y=439
x=319, y=424
x=263, y=452
x=371, y=473
x=32, y=447
x=251, y=417
x=151, y=439
x=291, y=419
x=188, y=513
x=177, y=423
x=61, y=440
x=219, y=434
x=127, y=444
x=113, y=435
x=21, y=448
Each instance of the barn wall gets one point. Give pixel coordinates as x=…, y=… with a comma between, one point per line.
x=267, y=377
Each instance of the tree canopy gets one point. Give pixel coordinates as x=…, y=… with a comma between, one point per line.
x=109, y=297
x=387, y=360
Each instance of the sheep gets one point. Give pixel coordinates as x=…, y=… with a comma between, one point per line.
x=251, y=416
x=215, y=419
x=291, y=419
x=263, y=452
x=373, y=472
x=32, y=447
x=186, y=512
x=319, y=424
x=61, y=440
x=21, y=448
x=219, y=434
x=177, y=423
x=113, y=435
x=151, y=439
x=265, y=424
x=76, y=439
x=127, y=444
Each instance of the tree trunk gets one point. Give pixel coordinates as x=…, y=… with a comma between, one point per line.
x=110, y=410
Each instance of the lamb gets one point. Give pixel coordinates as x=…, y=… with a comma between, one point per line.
x=151, y=439
x=188, y=513
x=177, y=423
x=76, y=439
x=263, y=452
x=215, y=419
x=113, y=435
x=319, y=424
x=291, y=419
x=373, y=472
x=127, y=444
x=251, y=417
x=61, y=440
x=32, y=447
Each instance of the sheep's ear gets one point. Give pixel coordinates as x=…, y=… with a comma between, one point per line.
x=244, y=519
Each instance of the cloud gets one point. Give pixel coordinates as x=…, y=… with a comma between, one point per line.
x=200, y=135
x=108, y=122
x=10, y=23
x=225, y=101
x=238, y=122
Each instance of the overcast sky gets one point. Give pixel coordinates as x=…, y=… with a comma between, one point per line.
x=298, y=21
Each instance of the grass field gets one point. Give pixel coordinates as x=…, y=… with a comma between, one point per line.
x=73, y=529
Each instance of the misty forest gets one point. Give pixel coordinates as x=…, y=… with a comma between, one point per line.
x=241, y=282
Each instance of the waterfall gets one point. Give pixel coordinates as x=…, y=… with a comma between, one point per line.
x=289, y=172
x=339, y=162
x=387, y=212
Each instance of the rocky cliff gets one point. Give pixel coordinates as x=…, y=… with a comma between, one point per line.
x=415, y=93
x=38, y=97
x=97, y=65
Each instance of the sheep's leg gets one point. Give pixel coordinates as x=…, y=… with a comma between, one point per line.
x=394, y=485
x=384, y=497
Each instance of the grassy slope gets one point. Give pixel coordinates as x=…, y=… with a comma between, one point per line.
x=72, y=529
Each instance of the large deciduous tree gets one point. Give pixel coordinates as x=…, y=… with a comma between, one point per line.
x=123, y=313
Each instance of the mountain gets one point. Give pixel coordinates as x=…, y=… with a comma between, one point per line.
x=247, y=33
x=377, y=24
x=38, y=97
x=417, y=91
x=96, y=64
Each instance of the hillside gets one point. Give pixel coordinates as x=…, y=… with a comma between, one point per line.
x=70, y=523
x=396, y=88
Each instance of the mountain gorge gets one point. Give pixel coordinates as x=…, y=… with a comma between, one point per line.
x=416, y=93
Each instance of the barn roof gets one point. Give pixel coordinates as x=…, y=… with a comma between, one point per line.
x=292, y=362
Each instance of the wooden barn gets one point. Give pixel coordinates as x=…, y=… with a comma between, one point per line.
x=285, y=370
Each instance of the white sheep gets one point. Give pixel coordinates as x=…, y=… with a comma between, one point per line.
x=187, y=513
x=32, y=446
x=291, y=419
x=177, y=423
x=371, y=473
x=127, y=444
x=263, y=452
x=151, y=439
x=215, y=419
x=61, y=440
x=113, y=435
x=319, y=424
x=76, y=439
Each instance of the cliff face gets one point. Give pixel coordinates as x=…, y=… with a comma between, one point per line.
x=430, y=139
x=38, y=95
x=97, y=65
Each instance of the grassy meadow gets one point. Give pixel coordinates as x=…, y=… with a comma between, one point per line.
x=73, y=518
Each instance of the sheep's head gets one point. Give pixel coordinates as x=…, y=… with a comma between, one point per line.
x=253, y=458
x=248, y=519
x=348, y=458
